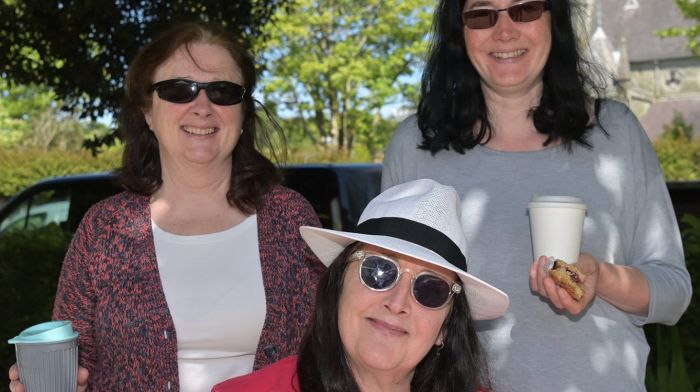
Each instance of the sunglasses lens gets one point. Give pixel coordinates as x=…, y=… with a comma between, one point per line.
x=183, y=91
x=431, y=291
x=177, y=91
x=479, y=19
x=526, y=12
x=486, y=18
x=378, y=273
x=225, y=93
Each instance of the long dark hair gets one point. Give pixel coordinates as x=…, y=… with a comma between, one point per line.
x=452, y=112
x=252, y=175
x=458, y=366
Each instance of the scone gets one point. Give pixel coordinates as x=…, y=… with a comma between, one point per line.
x=568, y=277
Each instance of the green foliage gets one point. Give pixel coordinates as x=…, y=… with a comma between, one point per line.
x=17, y=105
x=691, y=10
x=30, y=264
x=678, y=129
x=81, y=48
x=366, y=146
x=31, y=116
x=20, y=168
x=690, y=323
x=675, y=357
x=679, y=154
x=669, y=372
x=333, y=65
x=679, y=160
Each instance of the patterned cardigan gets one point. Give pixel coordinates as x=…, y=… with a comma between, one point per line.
x=110, y=289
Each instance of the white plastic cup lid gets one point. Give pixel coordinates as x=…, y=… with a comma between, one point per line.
x=556, y=199
x=48, y=332
x=557, y=202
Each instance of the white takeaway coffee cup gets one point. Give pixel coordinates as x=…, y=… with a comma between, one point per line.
x=47, y=357
x=556, y=226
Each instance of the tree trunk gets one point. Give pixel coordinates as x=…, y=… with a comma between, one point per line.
x=304, y=123
x=336, y=132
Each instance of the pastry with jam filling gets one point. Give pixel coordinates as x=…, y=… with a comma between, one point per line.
x=568, y=277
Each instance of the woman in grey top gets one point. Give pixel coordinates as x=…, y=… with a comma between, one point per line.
x=507, y=112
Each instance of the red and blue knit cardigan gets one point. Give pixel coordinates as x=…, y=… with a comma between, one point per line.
x=110, y=289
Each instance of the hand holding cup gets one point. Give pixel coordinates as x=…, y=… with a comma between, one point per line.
x=47, y=359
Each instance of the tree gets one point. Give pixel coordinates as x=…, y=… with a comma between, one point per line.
x=678, y=129
x=334, y=64
x=81, y=48
x=30, y=116
x=678, y=152
x=691, y=10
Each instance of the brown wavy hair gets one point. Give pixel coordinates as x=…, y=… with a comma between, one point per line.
x=252, y=174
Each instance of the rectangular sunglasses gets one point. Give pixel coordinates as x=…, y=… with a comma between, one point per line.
x=222, y=93
x=380, y=273
x=485, y=18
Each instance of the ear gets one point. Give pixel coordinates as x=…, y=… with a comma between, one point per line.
x=440, y=338
x=147, y=116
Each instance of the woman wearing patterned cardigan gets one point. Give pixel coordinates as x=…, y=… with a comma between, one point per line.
x=197, y=272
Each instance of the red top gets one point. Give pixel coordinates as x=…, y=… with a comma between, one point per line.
x=279, y=377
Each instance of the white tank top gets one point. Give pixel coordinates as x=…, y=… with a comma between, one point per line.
x=214, y=289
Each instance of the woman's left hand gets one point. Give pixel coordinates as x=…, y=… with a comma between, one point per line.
x=543, y=284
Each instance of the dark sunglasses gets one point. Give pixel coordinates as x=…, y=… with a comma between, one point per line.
x=182, y=91
x=380, y=273
x=485, y=18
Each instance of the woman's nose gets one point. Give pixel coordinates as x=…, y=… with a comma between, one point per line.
x=202, y=106
x=398, y=299
x=505, y=29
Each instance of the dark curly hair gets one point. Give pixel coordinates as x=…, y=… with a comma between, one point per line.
x=452, y=102
x=252, y=174
x=322, y=367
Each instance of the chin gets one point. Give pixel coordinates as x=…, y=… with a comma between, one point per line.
x=384, y=360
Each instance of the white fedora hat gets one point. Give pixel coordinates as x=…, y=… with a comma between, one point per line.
x=420, y=219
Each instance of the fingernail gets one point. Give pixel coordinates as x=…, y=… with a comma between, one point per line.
x=550, y=263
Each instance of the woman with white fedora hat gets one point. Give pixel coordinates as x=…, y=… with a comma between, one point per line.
x=394, y=311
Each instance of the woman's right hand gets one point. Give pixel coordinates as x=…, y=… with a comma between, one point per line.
x=16, y=385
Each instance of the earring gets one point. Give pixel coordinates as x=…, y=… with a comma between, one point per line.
x=438, y=347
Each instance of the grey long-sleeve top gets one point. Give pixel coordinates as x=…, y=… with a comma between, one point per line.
x=630, y=221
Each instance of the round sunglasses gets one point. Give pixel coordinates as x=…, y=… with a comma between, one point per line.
x=380, y=273
x=485, y=18
x=222, y=93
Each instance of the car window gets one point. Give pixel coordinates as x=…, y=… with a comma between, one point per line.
x=319, y=187
x=16, y=219
x=41, y=209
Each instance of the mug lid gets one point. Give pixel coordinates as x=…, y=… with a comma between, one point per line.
x=47, y=332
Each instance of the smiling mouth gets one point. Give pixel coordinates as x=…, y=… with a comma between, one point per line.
x=200, y=131
x=509, y=55
x=387, y=328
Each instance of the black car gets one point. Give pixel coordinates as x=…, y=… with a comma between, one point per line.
x=338, y=193
x=685, y=196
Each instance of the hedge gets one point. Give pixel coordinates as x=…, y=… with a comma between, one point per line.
x=20, y=168
x=674, y=361
x=30, y=264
